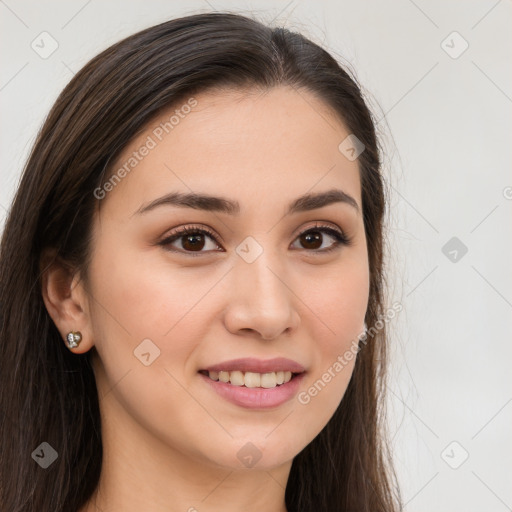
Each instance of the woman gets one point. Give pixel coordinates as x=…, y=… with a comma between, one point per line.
x=187, y=271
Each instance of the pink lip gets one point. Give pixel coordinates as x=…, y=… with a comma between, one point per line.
x=250, y=364
x=256, y=398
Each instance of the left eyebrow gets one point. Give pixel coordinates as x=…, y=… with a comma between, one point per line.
x=209, y=203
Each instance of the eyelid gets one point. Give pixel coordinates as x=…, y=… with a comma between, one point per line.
x=322, y=224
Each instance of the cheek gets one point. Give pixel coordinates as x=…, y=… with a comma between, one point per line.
x=339, y=304
x=141, y=308
x=147, y=297
x=135, y=302
x=338, y=298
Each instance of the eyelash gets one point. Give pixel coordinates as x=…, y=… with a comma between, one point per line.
x=339, y=236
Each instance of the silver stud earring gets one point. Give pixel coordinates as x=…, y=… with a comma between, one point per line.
x=74, y=338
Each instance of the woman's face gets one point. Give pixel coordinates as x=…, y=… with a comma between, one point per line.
x=261, y=275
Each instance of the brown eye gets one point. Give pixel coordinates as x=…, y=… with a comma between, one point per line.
x=313, y=239
x=190, y=240
x=193, y=242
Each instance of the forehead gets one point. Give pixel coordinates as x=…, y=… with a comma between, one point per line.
x=254, y=145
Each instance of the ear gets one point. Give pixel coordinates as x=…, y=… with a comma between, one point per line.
x=65, y=299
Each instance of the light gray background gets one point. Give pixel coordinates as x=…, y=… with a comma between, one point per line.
x=446, y=125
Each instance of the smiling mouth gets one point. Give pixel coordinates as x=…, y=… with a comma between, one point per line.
x=251, y=379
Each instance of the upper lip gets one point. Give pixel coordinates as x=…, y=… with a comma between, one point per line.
x=250, y=364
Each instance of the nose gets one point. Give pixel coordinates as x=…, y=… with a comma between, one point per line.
x=261, y=301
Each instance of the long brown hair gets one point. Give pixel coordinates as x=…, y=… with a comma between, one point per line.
x=47, y=393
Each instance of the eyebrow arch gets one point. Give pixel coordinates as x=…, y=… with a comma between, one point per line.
x=209, y=203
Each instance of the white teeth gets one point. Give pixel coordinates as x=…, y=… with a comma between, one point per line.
x=268, y=380
x=236, y=378
x=224, y=376
x=251, y=379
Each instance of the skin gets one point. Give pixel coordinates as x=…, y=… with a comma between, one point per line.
x=170, y=443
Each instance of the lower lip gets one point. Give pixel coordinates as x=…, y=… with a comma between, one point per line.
x=256, y=398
